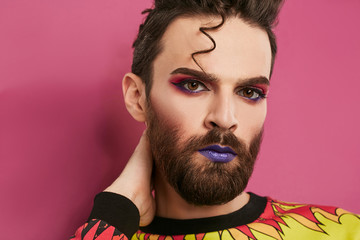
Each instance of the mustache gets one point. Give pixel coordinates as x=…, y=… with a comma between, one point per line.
x=217, y=136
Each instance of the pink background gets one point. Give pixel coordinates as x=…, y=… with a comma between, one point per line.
x=65, y=134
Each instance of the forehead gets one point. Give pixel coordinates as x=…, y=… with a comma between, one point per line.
x=241, y=50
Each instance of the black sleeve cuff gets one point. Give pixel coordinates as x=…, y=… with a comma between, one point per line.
x=117, y=211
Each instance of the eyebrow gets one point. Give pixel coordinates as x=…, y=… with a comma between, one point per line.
x=212, y=78
x=195, y=73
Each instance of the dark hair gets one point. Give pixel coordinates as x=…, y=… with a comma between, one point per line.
x=262, y=13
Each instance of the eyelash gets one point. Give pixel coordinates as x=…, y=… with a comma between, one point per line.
x=259, y=92
x=181, y=85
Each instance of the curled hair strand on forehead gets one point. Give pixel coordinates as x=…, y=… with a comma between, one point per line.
x=203, y=30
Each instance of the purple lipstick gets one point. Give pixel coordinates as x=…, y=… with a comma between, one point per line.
x=216, y=153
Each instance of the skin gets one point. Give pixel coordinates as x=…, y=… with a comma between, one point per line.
x=242, y=53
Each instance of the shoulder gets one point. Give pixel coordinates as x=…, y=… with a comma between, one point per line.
x=282, y=208
x=309, y=220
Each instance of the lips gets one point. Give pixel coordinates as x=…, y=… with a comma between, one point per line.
x=216, y=153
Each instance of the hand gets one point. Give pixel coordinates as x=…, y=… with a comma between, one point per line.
x=135, y=181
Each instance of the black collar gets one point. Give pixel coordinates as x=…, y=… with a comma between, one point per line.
x=247, y=214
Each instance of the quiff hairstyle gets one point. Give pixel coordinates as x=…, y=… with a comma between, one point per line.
x=261, y=13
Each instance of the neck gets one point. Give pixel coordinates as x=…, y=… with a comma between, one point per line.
x=170, y=204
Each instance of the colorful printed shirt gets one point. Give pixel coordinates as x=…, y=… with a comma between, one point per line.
x=114, y=217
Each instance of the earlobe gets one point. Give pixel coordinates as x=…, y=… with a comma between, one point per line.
x=134, y=96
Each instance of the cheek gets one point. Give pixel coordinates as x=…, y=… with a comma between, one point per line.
x=251, y=120
x=178, y=113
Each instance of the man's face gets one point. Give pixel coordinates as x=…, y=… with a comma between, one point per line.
x=193, y=116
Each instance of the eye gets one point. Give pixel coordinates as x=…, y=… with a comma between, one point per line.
x=191, y=86
x=253, y=94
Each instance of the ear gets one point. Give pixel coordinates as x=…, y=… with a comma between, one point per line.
x=134, y=96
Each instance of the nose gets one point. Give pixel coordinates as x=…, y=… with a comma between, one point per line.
x=222, y=113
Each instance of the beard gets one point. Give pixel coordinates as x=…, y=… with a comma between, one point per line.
x=196, y=179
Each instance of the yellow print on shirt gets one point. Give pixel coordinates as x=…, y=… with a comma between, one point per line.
x=282, y=221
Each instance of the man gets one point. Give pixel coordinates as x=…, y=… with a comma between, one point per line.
x=199, y=81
